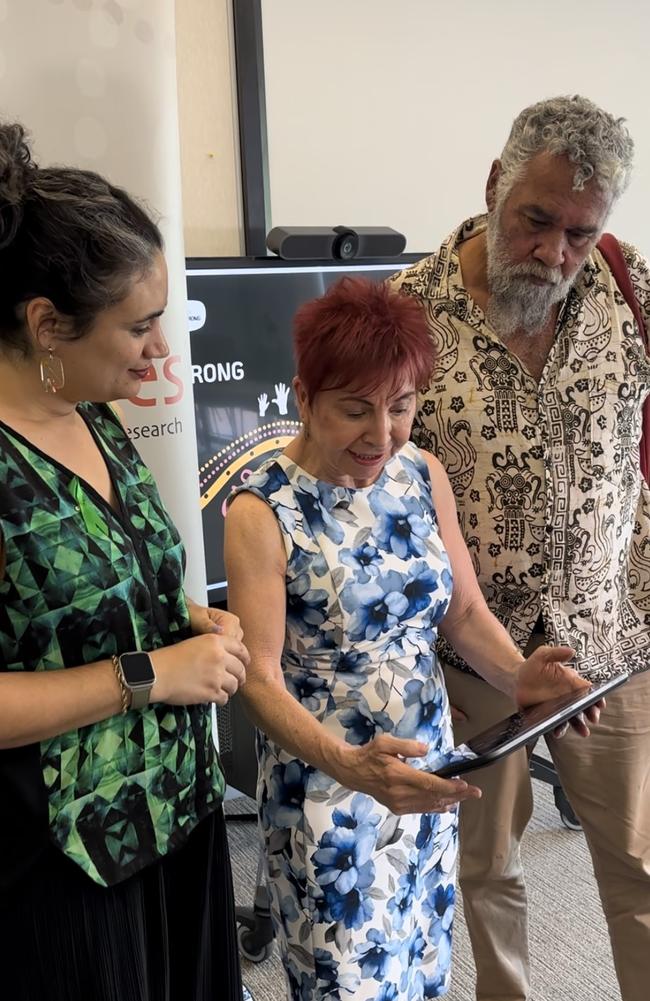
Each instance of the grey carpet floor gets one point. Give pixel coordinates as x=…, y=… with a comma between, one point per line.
x=569, y=944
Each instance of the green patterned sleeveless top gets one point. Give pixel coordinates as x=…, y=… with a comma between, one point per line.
x=83, y=581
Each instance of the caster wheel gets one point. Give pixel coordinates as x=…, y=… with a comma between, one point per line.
x=567, y=816
x=571, y=821
x=250, y=948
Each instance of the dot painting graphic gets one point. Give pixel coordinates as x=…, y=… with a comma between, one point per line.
x=232, y=465
x=242, y=368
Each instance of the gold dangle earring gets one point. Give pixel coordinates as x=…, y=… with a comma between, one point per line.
x=52, y=373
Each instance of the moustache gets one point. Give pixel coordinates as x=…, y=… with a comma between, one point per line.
x=533, y=270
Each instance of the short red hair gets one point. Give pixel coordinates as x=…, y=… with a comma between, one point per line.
x=363, y=334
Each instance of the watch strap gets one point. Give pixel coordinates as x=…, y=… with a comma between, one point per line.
x=125, y=692
x=140, y=696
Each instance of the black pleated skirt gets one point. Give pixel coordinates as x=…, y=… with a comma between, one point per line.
x=166, y=934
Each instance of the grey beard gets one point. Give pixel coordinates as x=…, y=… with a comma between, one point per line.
x=515, y=304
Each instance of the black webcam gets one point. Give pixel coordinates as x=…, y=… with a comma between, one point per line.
x=346, y=244
x=339, y=243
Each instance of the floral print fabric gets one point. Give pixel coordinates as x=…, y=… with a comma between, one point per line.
x=362, y=899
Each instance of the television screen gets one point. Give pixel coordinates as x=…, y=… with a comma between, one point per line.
x=240, y=314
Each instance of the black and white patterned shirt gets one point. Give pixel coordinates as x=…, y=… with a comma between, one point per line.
x=546, y=475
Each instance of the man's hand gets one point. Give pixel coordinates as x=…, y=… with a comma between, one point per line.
x=545, y=676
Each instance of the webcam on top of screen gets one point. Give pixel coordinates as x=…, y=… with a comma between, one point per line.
x=337, y=243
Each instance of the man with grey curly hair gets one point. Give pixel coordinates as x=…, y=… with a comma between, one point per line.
x=535, y=409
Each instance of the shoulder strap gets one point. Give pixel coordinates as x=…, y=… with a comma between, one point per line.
x=610, y=248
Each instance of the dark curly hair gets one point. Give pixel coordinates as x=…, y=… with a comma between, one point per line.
x=65, y=234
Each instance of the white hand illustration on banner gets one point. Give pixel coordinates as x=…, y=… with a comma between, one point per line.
x=263, y=402
x=281, y=397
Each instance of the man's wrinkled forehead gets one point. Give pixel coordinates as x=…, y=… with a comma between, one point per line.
x=545, y=186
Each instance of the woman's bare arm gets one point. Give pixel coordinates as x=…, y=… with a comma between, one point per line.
x=255, y=567
x=478, y=636
x=35, y=705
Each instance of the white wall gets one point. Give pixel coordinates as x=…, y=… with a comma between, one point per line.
x=207, y=113
x=389, y=112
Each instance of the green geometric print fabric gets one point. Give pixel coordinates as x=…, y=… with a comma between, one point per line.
x=82, y=582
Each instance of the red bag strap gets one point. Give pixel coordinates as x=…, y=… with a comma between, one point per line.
x=610, y=248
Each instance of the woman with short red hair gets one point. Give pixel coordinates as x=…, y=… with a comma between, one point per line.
x=344, y=558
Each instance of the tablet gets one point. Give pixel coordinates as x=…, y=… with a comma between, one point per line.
x=523, y=727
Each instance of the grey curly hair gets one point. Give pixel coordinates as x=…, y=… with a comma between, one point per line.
x=597, y=143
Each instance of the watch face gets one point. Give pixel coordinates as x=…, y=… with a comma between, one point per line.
x=137, y=668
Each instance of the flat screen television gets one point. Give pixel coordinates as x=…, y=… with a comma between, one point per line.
x=240, y=314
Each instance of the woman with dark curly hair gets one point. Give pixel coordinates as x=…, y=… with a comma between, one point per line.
x=114, y=872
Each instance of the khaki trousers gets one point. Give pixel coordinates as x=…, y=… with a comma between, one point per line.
x=607, y=780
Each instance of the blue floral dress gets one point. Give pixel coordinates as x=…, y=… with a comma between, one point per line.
x=362, y=900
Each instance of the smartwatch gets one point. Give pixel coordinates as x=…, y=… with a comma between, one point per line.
x=137, y=675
